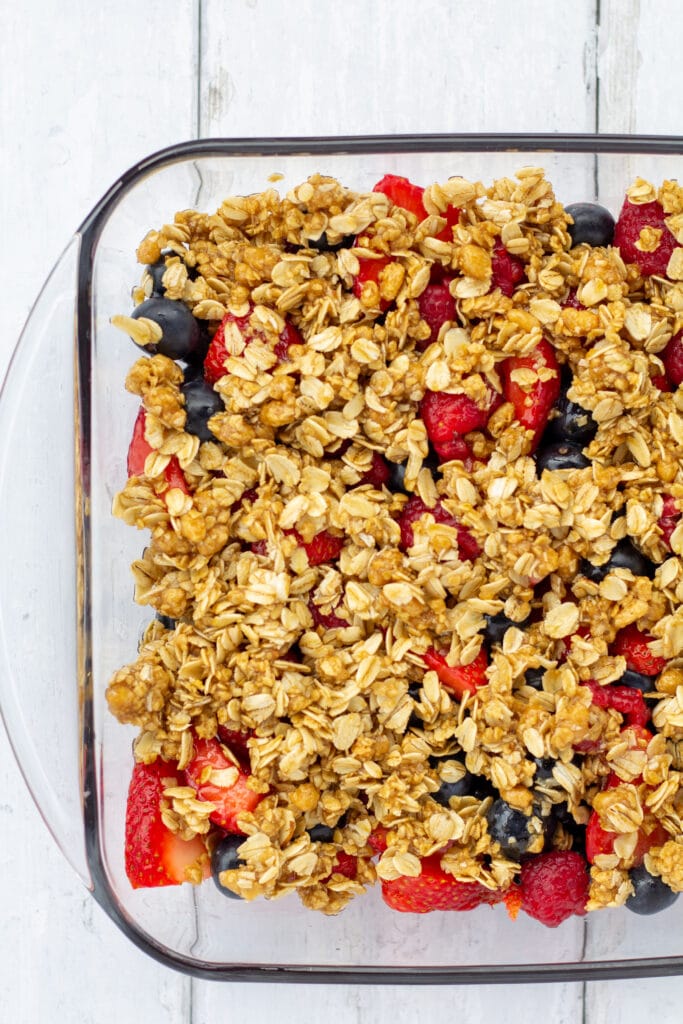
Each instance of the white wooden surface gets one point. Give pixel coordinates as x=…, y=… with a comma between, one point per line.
x=85, y=90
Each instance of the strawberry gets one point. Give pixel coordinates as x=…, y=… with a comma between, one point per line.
x=415, y=508
x=635, y=217
x=154, y=855
x=324, y=547
x=634, y=646
x=447, y=415
x=661, y=382
x=237, y=743
x=532, y=407
x=369, y=271
x=139, y=449
x=345, y=864
x=329, y=621
x=437, y=307
x=600, y=841
x=217, y=780
x=377, y=839
x=455, y=449
x=507, y=270
x=214, y=363
x=435, y=889
x=554, y=886
x=672, y=357
x=408, y=196
x=460, y=679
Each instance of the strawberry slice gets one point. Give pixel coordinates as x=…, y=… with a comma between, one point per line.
x=369, y=271
x=346, y=864
x=446, y=415
x=435, y=889
x=635, y=647
x=415, y=509
x=377, y=839
x=627, y=701
x=437, y=307
x=154, y=855
x=507, y=270
x=532, y=405
x=139, y=449
x=217, y=780
x=408, y=196
x=634, y=219
x=460, y=679
x=214, y=363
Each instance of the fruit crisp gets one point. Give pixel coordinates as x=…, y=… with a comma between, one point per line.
x=411, y=465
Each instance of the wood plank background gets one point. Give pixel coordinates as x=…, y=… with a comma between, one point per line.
x=87, y=89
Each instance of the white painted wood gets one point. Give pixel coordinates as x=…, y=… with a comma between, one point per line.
x=87, y=90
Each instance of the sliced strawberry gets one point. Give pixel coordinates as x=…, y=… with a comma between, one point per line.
x=507, y=270
x=345, y=864
x=370, y=270
x=324, y=547
x=214, y=363
x=635, y=217
x=378, y=839
x=402, y=193
x=435, y=889
x=634, y=646
x=600, y=841
x=415, y=509
x=139, y=449
x=460, y=679
x=532, y=407
x=437, y=307
x=672, y=357
x=217, y=780
x=154, y=855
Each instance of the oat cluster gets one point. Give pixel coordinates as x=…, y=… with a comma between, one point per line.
x=344, y=734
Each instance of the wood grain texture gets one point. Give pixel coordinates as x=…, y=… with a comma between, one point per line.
x=87, y=90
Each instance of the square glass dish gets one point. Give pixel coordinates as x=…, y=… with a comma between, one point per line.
x=68, y=619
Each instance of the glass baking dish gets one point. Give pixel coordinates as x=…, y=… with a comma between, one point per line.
x=68, y=619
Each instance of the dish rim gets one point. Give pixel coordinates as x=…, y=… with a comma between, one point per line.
x=89, y=232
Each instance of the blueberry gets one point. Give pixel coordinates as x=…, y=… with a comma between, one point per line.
x=166, y=621
x=448, y=789
x=498, y=625
x=201, y=403
x=509, y=827
x=322, y=244
x=637, y=681
x=321, y=833
x=650, y=894
x=182, y=337
x=534, y=677
x=544, y=768
x=224, y=858
x=624, y=556
x=572, y=422
x=592, y=224
x=397, y=475
x=193, y=371
x=482, y=788
x=156, y=271
x=561, y=455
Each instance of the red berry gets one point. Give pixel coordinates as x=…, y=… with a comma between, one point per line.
x=634, y=646
x=402, y=193
x=600, y=841
x=329, y=621
x=378, y=474
x=632, y=219
x=669, y=519
x=415, y=509
x=661, y=382
x=554, y=886
x=455, y=449
x=324, y=547
x=370, y=270
x=237, y=742
x=435, y=889
x=214, y=363
x=672, y=357
x=437, y=307
x=345, y=864
x=627, y=701
x=139, y=449
x=154, y=855
x=460, y=679
x=445, y=415
x=571, y=302
x=532, y=407
x=507, y=270
x=378, y=839
x=217, y=780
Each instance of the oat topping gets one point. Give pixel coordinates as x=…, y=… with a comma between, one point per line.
x=321, y=663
